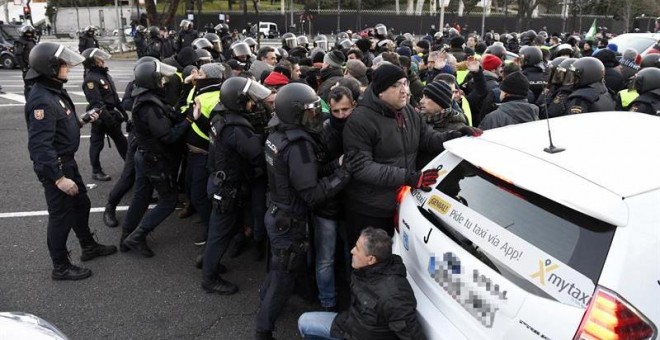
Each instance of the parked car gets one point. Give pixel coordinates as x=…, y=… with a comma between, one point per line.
x=15, y=325
x=641, y=42
x=515, y=242
x=127, y=31
x=266, y=30
x=7, y=57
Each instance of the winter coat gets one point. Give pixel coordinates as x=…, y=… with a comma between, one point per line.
x=513, y=110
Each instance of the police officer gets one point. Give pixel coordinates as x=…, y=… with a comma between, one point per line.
x=235, y=161
x=533, y=67
x=647, y=84
x=53, y=139
x=87, y=39
x=156, y=44
x=100, y=91
x=216, y=50
x=589, y=92
x=186, y=35
x=295, y=186
x=551, y=101
x=22, y=47
x=140, y=39
x=155, y=166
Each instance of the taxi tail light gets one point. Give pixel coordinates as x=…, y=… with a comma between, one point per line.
x=610, y=317
x=400, y=194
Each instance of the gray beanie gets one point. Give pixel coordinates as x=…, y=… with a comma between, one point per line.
x=630, y=54
x=334, y=58
x=213, y=70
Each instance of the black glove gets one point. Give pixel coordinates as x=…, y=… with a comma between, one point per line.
x=422, y=180
x=470, y=131
x=353, y=161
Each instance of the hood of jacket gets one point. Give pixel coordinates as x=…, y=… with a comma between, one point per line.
x=520, y=110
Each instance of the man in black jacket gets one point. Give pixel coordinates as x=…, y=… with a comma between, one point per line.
x=382, y=301
x=388, y=131
x=515, y=108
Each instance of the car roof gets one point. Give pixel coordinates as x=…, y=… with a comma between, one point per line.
x=617, y=151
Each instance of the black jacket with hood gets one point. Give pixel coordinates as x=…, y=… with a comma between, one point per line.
x=513, y=110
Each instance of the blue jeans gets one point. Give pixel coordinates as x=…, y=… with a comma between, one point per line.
x=196, y=177
x=325, y=237
x=316, y=325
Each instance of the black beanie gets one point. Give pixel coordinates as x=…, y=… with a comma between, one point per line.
x=385, y=76
x=186, y=56
x=363, y=44
x=515, y=84
x=439, y=92
x=424, y=44
x=318, y=57
x=457, y=42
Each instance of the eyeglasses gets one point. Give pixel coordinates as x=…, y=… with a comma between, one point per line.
x=400, y=84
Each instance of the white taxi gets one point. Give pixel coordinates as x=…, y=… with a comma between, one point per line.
x=514, y=242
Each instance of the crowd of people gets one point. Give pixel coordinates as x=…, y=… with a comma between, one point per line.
x=303, y=146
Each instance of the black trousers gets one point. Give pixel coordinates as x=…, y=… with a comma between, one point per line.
x=96, y=143
x=65, y=213
x=127, y=178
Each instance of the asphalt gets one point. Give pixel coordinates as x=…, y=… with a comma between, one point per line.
x=127, y=297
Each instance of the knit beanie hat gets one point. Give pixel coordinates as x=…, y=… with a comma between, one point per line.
x=283, y=70
x=439, y=92
x=630, y=54
x=318, y=57
x=276, y=79
x=515, y=84
x=424, y=44
x=457, y=42
x=404, y=50
x=363, y=44
x=213, y=70
x=490, y=62
x=385, y=76
x=357, y=70
x=334, y=58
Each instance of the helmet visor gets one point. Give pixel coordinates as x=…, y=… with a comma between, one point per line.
x=302, y=40
x=291, y=42
x=322, y=44
x=202, y=43
x=569, y=78
x=558, y=75
x=100, y=54
x=256, y=91
x=165, y=70
x=312, y=120
x=240, y=49
x=68, y=56
x=381, y=30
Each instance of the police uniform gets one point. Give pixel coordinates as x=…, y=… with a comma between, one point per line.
x=22, y=47
x=591, y=98
x=236, y=162
x=537, y=81
x=87, y=41
x=155, y=161
x=140, y=43
x=648, y=102
x=100, y=91
x=556, y=106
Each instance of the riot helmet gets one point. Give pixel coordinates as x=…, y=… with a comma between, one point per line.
x=237, y=91
x=251, y=42
x=342, y=35
x=154, y=31
x=240, y=49
x=215, y=40
x=565, y=50
x=47, y=57
x=647, y=80
x=289, y=40
x=345, y=44
x=303, y=41
x=91, y=56
x=497, y=50
x=530, y=56
x=296, y=104
x=90, y=30
x=585, y=71
x=204, y=56
x=221, y=28
x=153, y=75
x=280, y=52
x=141, y=29
x=27, y=31
x=321, y=41
x=650, y=60
x=380, y=29
x=185, y=24
x=555, y=72
x=201, y=44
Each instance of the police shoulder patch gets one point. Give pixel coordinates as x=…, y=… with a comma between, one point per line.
x=90, y=85
x=38, y=114
x=634, y=108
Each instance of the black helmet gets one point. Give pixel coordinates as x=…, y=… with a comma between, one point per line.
x=91, y=54
x=221, y=28
x=201, y=43
x=90, y=30
x=45, y=60
x=280, y=52
x=251, y=42
x=185, y=24
x=204, y=56
x=152, y=75
x=236, y=91
x=26, y=30
x=154, y=31
x=563, y=50
x=144, y=59
x=585, y=71
x=293, y=101
x=526, y=38
x=240, y=49
x=302, y=40
x=530, y=56
x=647, y=80
x=558, y=70
x=650, y=60
x=215, y=40
x=344, y=44
x=289, y=40
x=342, y=35
x=497, y=50
x=141, y=29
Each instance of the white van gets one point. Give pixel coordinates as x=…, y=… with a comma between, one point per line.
x=266, y=30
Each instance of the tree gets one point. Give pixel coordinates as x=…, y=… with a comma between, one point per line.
x=164, y=18
x=469, y=5
x=525, y=10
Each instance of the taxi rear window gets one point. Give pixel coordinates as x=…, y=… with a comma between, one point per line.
x=576, y=239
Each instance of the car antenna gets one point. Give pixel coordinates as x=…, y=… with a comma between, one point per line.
x=552, y=148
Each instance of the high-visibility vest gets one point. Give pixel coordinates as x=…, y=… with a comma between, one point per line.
x=627, y=97
x=466, y=109
x=189, y=100
x=207, y=101
x=460, y=76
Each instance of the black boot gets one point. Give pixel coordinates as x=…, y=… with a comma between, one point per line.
x=64, y=270
x=199, y=263
x=91, y=250
x=220, y=286
x=109, y=215
x=123, y=248
x=264, y=335
x=137, y=241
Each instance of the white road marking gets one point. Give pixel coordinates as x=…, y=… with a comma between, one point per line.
x=13, y=96
x=45, y=212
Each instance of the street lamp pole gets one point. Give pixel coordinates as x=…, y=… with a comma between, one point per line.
x=120, y=28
